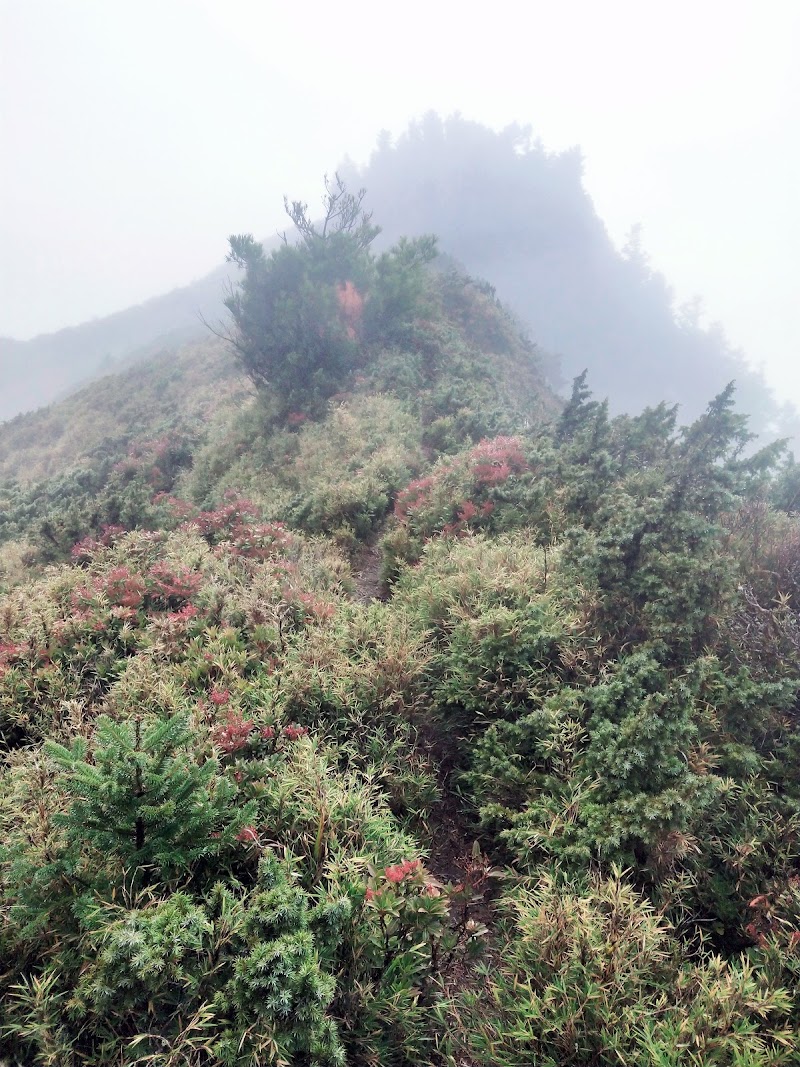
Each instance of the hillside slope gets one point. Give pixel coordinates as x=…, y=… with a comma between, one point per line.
x=35, y=373
x=176, y=390
x=190, y=420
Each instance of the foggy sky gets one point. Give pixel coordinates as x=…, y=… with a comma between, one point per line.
x=137, y=135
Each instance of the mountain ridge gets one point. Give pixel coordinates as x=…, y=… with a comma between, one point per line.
x=507, y=210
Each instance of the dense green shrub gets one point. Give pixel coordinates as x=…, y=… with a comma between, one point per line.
x=200, y=861
x=304, y=313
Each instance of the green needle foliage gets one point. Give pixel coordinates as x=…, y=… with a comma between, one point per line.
x=143, y=797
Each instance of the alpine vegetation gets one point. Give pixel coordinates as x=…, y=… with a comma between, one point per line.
x=362, y=702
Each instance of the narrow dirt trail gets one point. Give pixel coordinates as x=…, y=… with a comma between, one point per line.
x=450, y=839
x=366, y=569
x=451, y=834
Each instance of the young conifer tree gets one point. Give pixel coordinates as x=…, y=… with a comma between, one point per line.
x=143, y=797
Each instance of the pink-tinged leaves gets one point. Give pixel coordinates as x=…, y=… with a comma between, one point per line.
x=458, y=495
x=234, y=734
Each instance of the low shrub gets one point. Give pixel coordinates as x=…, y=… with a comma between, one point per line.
x=592, y=974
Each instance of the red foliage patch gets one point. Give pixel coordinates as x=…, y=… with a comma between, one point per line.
x=10, y=651
x=85, y=549
x=233, y=527
x=170, y=585
x=413, y=497
x=457, y=495
x=122, y=588
x=248, y=835
x=351, y=307
x=401, y=871
x=493, y=462
x=234, y=734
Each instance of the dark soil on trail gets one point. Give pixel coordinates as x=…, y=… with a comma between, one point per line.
x=366, y=568
x=451, y=834
x=455, y=857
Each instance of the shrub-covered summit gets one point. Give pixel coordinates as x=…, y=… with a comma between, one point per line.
x=364, y=369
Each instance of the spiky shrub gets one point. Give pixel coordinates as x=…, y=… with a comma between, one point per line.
x=142, y=797
x=605, y=704
x=135, y=937
x=120, y=890
x=565, y=756
x=234, y=973
x=592, y=974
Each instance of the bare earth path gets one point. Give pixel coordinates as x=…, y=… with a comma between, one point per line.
x=449, y=836
x=366, y=568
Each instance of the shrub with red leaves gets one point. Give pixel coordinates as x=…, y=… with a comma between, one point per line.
x=493, y=462
x=85, y=549
x=414, y=497
x=235, y=525
x=234, y=734
x=399, y=872
x=10, y=650
x=248, y=835
x=170, y=586
x=157, y=460
x=122, y=587
x=460, y=495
